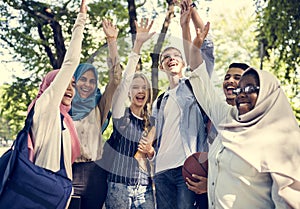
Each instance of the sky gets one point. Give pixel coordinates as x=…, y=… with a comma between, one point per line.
x=208, y=9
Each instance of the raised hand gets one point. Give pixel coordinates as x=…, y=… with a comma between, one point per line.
x=185, y=13
x=143, y=30
x=142, y=34
x=83, y=6
x=201, y=35
x=179, y=2
x=110, y=30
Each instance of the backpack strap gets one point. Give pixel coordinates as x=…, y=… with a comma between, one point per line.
x=206, y=119
x=159, y=99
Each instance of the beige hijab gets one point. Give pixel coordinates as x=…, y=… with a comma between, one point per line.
x=268, y=136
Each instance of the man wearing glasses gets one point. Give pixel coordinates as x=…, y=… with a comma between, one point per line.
x=180, y=129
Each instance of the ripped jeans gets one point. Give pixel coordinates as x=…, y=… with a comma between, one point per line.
x=122, y=196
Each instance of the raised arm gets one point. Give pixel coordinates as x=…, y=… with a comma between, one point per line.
x=121, y=94
x=111, y=32
x=205, y=92
x=115, y=69
x=71, y=60
x=47, y=106
x=185, y=17
x=196, y=58
x=83, y=7
x=188, y=11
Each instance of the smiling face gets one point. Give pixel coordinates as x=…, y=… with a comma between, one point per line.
x=171, y=62
x=86, y=84
x=245, y=102
x=69, y=94
x=140, y=93
x=231, y=80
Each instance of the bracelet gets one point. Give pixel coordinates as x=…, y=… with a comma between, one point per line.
x=193, y=5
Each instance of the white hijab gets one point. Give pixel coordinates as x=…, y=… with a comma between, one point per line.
x=268, y=136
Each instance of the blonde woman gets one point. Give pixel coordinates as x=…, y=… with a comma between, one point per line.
x=128, y=185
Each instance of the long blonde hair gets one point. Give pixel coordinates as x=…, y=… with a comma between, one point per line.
x=146, y=112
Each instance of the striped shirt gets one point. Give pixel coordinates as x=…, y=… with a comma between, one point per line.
x=127, y=132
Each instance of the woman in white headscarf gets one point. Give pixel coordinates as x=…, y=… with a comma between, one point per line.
x=253, y=162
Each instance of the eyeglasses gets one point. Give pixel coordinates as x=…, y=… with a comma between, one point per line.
x=168, y=57
x=246, y=90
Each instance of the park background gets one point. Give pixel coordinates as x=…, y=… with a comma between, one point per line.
x=35, y=35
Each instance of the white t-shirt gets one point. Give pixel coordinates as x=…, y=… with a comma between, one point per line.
x=171, y=153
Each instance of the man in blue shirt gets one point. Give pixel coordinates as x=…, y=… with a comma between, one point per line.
x=180, y=126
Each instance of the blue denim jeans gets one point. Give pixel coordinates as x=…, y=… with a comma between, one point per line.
x=172, y=192
x=122, y=196
x=202, y=201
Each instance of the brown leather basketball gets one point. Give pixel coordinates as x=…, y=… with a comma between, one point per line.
x=196, y=163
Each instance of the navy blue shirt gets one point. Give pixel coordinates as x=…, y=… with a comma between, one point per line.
x=127, y=132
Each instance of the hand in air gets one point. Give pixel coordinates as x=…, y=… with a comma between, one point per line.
x=185, y=13
x=201, y=35
x=143, y=29
x=83, y=6
x=110, y=30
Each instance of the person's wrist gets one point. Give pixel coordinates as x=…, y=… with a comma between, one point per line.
x=150, y=153
x=185, y=26
x=139, y=41
x=111, y=38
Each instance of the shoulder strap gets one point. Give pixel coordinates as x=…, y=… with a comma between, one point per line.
x=206, y=119
x=159, y=99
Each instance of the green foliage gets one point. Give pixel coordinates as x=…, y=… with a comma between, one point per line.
x=37, y=34
x=279, y=31
x=15, y=101
x=5, y=132
x=234, y=44
x=38, y=39
x=108, y=131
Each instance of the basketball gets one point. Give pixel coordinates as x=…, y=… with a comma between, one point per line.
x=195, y=164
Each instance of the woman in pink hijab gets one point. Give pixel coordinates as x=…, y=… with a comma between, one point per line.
x=48, y=132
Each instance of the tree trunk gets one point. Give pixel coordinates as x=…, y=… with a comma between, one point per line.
x=158, y=47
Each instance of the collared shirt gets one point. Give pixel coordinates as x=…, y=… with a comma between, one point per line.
x=190, y=132
x=89, y=134
x=191, y=125
x=232, y=182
